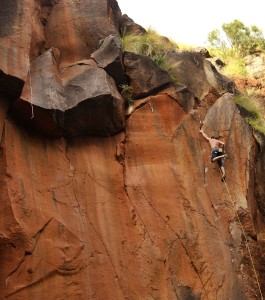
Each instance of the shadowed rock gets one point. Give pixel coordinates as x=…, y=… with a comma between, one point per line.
x=202, y=78
x=93, y=104
x=29, y=28
x=128, y=26
x=144, y=75
x=10, y=85
x=84, y=101
x=260, y=192
x=109, y=57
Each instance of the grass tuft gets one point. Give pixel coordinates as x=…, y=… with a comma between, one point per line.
x=153, y=45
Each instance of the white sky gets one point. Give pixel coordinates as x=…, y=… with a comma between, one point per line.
x=190, y=21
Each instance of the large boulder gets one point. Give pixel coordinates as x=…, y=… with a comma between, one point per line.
x=81, y=100
x=109, y=57
x=93, y=104
x=202, y=78
x=141, y=214
x=144, y=75
x=128, y=26
x=28, y=29
x=255, y=65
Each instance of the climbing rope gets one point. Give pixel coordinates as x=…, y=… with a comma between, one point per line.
x=241, y=226
x=246, y=241
x=30, y=85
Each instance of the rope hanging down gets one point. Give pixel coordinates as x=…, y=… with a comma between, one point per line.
x=30, y=85
x=246, y=242
x=242, y=228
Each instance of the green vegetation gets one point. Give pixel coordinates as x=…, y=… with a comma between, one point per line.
x=232, y=45
x=185, y=47
x=150, y=44
x=237, y=39
x=235, y=42
x=153, y=45
x=256, y=112
x=235, y=67
x=127, y=93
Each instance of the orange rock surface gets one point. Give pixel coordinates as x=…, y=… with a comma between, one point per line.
x=140, y=213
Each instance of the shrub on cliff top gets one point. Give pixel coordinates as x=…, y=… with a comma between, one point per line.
x=150, y=43
x=237, y=37
x=233, y=43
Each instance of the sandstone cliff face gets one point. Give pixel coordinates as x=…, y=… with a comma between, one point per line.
x=103, y=202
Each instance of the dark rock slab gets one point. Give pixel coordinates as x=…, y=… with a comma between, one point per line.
x=83, y=100
x=144, y=75
x=109, y=57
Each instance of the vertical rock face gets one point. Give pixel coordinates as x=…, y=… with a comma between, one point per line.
x=14, y=46
x=87, y=21
x=15, y=37
x=99, y=203
x=58, y=34
x=148, y=223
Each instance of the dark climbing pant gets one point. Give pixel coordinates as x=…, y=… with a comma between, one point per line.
x=215, y=153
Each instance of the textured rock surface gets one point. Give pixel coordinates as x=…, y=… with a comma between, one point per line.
x=140, y=214
x=145, y=76
x=70, y=103
x=15, y=37
x=87, y=21
x=128, y=26
x=132, y=215
x=109, y=57
x=255, y=66
x=199, y=75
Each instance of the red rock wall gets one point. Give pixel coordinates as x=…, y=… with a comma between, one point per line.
x=132, y=216
x=141, y=214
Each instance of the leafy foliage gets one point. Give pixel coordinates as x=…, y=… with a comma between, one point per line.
x=215, y=40
x=238, y=37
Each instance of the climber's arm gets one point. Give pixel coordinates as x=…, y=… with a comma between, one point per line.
x=204, y=134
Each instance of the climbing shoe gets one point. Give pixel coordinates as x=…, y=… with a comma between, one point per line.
x=223, y=178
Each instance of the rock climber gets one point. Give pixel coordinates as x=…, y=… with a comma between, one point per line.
x=217, y=152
